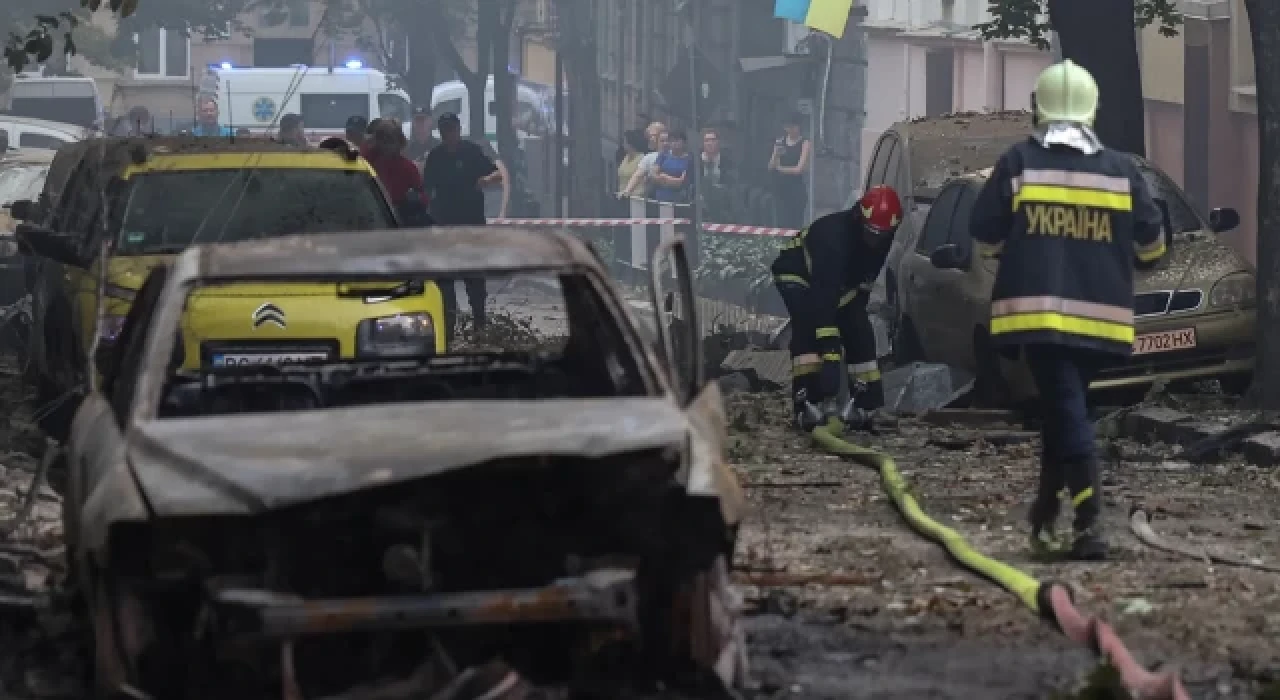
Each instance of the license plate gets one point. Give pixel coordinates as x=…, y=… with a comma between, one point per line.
x=1165, y=341
x=274, y=358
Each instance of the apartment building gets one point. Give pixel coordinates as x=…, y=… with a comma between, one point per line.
x=925, y=59
x=1201, y=111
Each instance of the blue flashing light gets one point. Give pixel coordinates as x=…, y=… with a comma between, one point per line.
x=355, y=63
x=226, y=65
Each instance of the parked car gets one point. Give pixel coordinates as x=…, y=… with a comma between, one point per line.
x=28, y=132
x=1194, y=313
x=554, y=510
x=22, y=176
x=149, y=199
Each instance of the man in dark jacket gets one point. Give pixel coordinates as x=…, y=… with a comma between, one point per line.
x=1067, y=219
x=824, y=276
x=456, y=174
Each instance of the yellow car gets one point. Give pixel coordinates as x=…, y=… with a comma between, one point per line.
x=144, y=201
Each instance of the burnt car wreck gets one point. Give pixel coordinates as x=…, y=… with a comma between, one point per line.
x=500, y=524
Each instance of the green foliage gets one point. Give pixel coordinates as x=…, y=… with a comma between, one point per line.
x=738, y=260
x=1029, y=20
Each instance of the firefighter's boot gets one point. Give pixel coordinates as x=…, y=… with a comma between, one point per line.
x=1046, y=508
x=1088, y=541
x=805, y=415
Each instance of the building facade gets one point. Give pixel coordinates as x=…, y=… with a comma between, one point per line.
x=1201, y=110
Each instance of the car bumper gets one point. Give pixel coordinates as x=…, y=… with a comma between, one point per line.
x=1225, y=346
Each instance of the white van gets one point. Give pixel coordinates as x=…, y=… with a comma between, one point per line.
x=71, y=100
x=534, y=114
x=256, y=98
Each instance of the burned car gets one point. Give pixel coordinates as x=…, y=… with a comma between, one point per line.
x=543, y=510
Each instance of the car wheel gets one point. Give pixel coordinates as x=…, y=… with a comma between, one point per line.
x=709, y=610
x=1236, y=384
x=906, y=344
x=109, y=668
x=990, y=390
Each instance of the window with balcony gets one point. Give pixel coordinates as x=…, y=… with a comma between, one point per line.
x=163, y=53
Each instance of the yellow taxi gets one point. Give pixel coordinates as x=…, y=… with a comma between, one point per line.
x=162, y=196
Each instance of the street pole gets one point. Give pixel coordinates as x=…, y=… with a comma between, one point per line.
x=695, y=156
x=558, y=156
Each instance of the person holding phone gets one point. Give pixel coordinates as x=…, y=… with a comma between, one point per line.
x=788, y=165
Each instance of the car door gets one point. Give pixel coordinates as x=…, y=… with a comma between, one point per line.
x=923, y=287
x=97, y=433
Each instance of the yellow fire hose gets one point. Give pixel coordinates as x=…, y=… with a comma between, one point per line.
x=1052, y=601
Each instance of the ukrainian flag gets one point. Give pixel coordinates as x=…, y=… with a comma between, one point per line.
x=828, y=16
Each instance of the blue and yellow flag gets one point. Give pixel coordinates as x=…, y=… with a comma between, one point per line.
x=793, y=10
x=828, y=16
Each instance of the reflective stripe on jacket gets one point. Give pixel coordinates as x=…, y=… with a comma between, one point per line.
x=1068, y=228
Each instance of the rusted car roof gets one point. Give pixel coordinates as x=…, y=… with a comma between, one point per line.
x=450, y=251
x=243, y=464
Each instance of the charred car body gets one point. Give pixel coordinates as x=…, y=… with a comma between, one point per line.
x=350, y=528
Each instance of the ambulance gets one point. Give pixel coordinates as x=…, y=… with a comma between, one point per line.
x=256, y=98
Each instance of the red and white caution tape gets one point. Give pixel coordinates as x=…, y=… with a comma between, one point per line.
x=588, y=222
x=748, y=230
x=709, y=228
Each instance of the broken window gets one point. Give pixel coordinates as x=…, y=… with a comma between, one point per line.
x=1182, y=216
x=304, y=345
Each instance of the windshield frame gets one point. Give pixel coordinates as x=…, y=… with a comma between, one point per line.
x=124, y=191
x=184, y=281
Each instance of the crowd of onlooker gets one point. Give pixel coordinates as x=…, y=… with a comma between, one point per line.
x=655, y=163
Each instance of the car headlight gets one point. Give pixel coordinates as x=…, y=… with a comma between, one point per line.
x=1238, y=289
x=401, y=335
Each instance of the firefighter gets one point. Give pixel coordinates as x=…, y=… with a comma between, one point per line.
x=1069, y=219
x=824, y=275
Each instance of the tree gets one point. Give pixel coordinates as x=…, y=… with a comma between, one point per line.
x=1100, y=35
x=576, y=25
x=1264, y=30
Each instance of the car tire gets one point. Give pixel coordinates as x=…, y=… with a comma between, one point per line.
x=906, y=344
x=109, y=669
x=710, y=612
x=1236, y=384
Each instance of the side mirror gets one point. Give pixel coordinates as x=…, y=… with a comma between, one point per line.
x=58, y=247
x=22, y=210
x=949, y=257
x=1223, y=219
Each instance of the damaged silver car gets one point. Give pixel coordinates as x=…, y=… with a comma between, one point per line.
x=544, y=510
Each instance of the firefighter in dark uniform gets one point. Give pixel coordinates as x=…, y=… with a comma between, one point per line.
x=1069, y=220
x=824, y=275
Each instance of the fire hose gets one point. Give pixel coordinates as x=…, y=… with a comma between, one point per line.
x=1050, y=600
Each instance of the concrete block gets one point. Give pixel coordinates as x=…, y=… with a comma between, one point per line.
x=771, y=367
x=918, y=387
x=1154, y=424
x=1192, y=431
x=1263, y=449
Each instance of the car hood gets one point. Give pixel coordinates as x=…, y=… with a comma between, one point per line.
x=1193, y=262
x=250, y=463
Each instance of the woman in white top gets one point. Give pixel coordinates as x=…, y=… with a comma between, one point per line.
x=639, y=183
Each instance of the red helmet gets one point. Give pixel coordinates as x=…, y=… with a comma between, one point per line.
x=881, y=209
